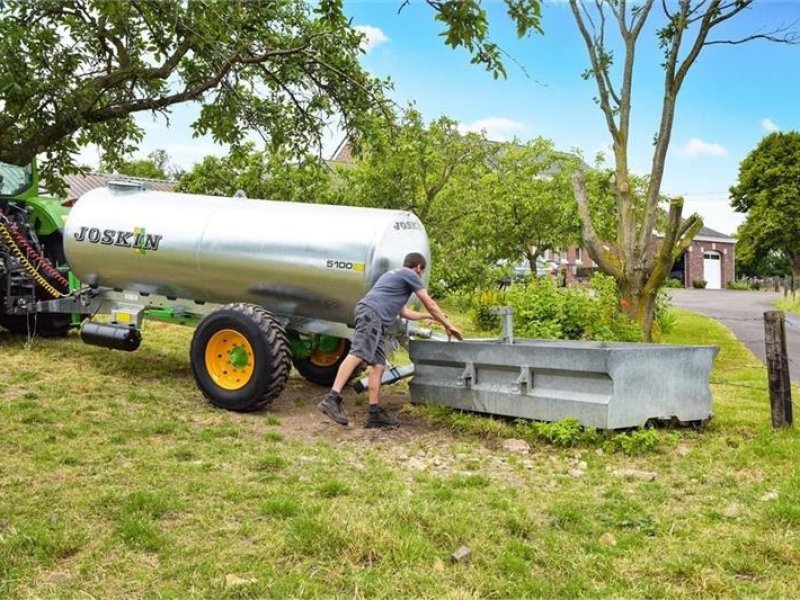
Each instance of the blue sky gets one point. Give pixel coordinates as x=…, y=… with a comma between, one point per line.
x=734, y=95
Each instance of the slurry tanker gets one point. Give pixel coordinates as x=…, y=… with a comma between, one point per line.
x=265, y=284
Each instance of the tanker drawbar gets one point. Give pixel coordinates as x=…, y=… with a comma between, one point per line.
x=266, y=284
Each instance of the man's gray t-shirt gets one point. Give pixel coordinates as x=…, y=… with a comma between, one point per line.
x=391, y=293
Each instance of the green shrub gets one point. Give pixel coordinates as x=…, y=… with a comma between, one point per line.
x=673, y=282
x=543, y=311
x=699, y=283
x=739, y=285
x=664, y=316
x=481, y=309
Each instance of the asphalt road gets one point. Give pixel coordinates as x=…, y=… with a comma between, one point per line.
x=743, y=313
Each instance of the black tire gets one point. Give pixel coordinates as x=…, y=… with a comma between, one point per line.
x=43, y=325
x=271, y=357
x=321, y=368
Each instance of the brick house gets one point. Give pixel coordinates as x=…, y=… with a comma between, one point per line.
x=711, y=257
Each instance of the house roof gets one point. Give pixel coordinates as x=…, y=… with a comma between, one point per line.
x=343, y=153
x=706, y=233
x=78, y=185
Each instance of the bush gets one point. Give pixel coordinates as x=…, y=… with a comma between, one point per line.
x=481, y=310
x=699, y=283
x=673, y=282
x=543, y=311
x=739, y=285
x=664, y=317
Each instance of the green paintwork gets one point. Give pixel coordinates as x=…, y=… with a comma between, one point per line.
x=239, y=357
x=168, y=315
x=74, y=284
x=48, y=213
x=300, y=347
x=327, y=344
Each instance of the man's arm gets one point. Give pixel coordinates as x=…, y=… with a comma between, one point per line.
x=436, y=313
x=413, y=315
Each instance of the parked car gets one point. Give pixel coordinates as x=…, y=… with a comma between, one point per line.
x=544, y=268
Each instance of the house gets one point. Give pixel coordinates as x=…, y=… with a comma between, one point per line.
x=78, y=185
x=711, y=257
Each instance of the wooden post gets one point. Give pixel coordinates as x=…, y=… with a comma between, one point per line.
x=780, y=387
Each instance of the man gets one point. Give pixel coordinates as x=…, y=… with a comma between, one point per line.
x=384, y=302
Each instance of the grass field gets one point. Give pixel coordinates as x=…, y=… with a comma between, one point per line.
x=118, y=480
x=788, y=304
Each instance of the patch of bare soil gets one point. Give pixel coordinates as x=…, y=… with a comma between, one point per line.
x=414, y=445
x=300, y=420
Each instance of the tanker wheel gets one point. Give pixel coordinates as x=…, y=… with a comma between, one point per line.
x=240, y=357
x=319, y=357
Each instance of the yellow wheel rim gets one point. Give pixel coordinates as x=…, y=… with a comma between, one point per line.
x=326, y=359
x=229, y=359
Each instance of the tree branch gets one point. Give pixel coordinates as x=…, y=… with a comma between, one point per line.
x=608, y=264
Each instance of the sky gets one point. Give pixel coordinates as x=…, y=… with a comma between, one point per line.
x=733, y=96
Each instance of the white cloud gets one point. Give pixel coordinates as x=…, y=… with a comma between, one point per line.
x=496, y=128
x=373, y=36
x=716, y=212
x=697, y=147
x=768, y=124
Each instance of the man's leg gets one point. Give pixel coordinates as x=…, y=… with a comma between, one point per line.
x=349, y=364
x=374, y=384
x=331, y=405
x=377, y=416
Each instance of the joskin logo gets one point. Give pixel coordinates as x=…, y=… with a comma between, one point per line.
x=137, y=239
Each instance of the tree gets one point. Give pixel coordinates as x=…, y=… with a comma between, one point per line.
x=433, y=171
x=155, y=166
x=768, y=192
x=272, y=176
x=76, y=72
x=528, y=201
x=639, y=266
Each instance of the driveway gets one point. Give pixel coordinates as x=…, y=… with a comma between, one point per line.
x=743, y=313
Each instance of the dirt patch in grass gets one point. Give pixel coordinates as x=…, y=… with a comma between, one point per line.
x=296, y=410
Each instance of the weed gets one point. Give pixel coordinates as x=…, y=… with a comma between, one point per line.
x=272, y=420
x=270, y=461
x=273, y=436
x=333, y=488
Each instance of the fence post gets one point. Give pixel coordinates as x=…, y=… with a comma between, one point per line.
x=780, y=387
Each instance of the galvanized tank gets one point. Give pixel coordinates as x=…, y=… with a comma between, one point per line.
x=308, y=260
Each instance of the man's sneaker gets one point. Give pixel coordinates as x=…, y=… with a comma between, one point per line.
x=380, y=418
x=331, y=406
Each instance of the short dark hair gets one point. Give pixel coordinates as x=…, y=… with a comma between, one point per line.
x=414, y=259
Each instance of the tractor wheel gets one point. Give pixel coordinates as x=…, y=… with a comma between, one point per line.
x=42, y=325
x=240, y=357
x=320, y=362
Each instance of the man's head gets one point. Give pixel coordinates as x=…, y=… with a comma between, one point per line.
x=415, y=261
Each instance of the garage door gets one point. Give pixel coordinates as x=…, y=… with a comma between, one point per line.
x=712, y=270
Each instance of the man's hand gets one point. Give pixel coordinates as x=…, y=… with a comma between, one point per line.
x=453, y=332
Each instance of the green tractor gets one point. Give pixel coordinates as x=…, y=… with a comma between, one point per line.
x=32, y=262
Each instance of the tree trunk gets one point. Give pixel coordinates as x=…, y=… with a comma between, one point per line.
x=638, y=301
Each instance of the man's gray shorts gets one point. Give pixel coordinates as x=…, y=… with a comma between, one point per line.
x=368, y=343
